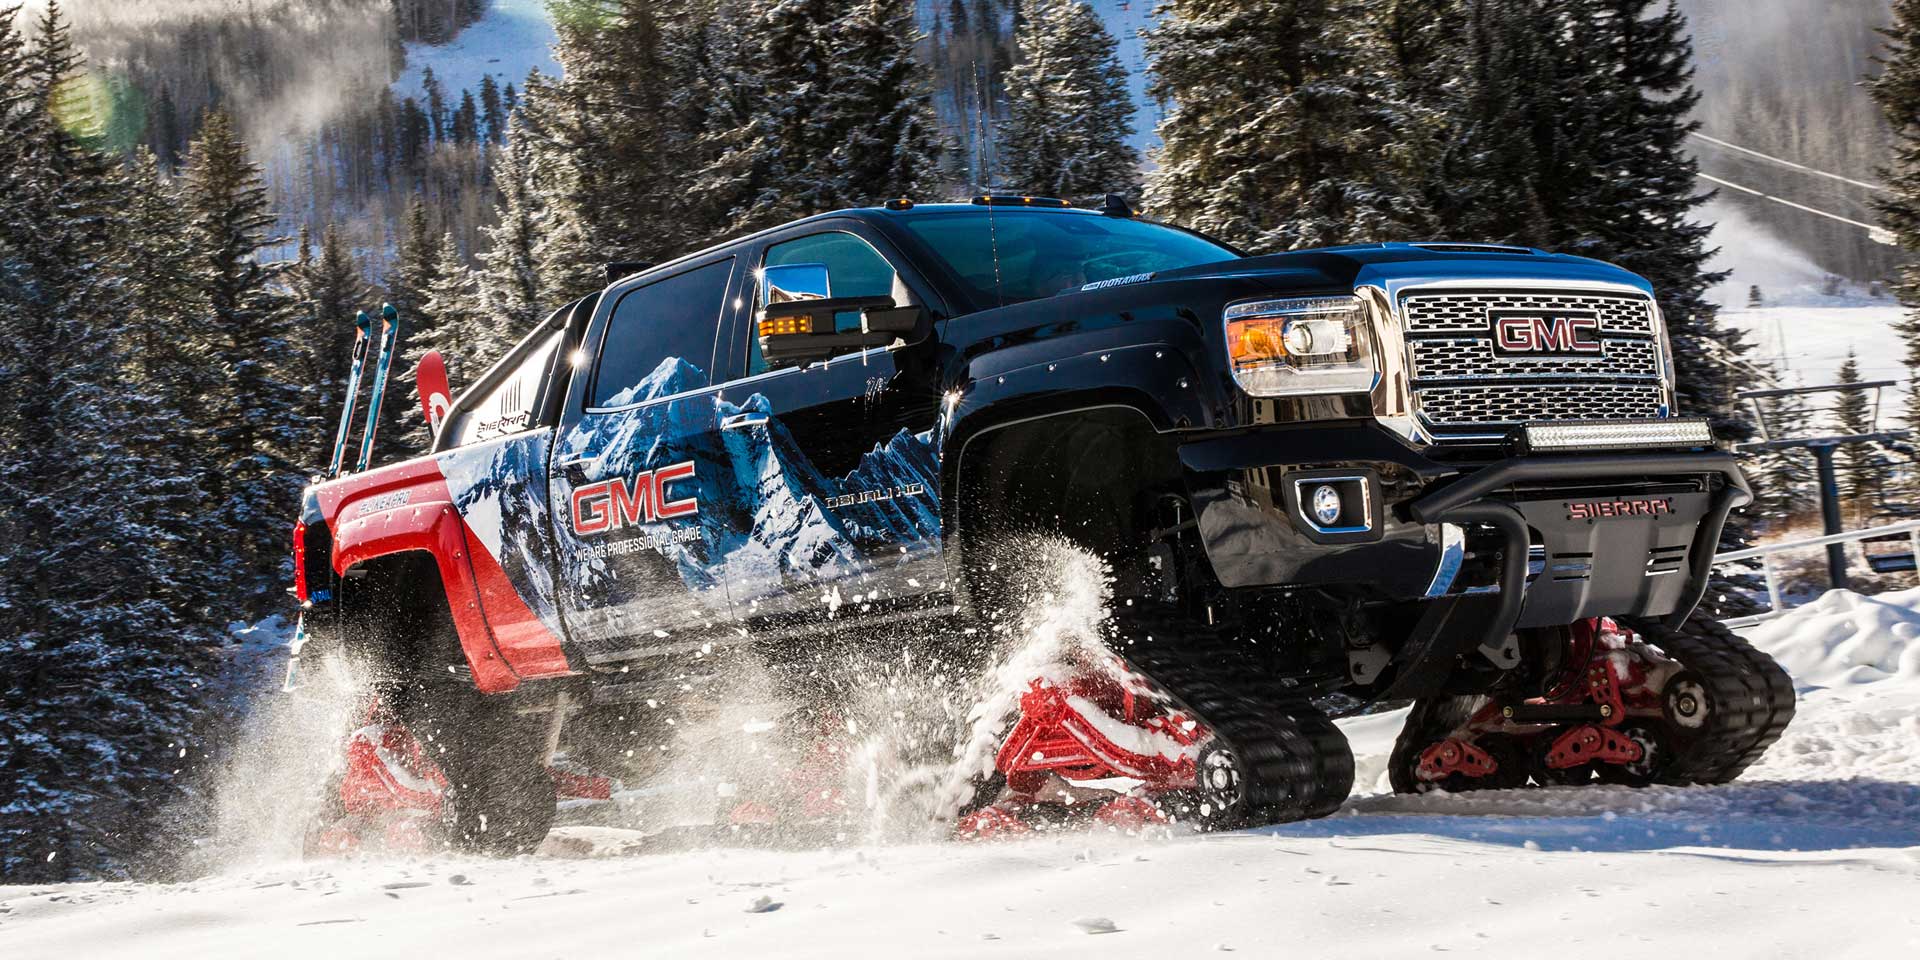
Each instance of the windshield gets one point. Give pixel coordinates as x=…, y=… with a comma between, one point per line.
x=1043, y=253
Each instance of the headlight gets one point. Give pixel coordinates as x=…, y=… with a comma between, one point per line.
x=1301, y=345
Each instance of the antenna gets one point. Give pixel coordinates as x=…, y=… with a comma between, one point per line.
x=986, y=174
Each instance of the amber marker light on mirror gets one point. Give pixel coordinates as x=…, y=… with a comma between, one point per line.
x=783, y=326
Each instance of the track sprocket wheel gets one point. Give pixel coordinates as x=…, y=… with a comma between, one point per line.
x=1725, y=709
x=1654, y=756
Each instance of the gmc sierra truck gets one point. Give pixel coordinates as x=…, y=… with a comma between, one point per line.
x=1444, y=473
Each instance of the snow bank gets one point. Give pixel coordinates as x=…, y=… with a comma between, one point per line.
x=1845, y=639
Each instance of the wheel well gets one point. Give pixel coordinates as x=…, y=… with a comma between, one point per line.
x=1097, y=477
x=394, y=616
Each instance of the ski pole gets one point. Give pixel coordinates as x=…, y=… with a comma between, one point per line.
x=363, y=328
x=389, y=334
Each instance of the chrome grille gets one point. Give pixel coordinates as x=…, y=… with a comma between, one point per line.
x=1462, y=386
x=1456, y=358
x=1467, y=312
x=1519, y=403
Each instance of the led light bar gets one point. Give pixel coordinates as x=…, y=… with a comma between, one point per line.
x=1615, y=434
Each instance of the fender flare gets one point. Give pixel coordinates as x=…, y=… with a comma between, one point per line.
x=1154, y=380
x=433, y=528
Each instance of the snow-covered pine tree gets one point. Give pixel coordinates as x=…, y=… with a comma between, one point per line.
x=1069, y=111
x=1862, y=466
x=610, y=152
x=1783, y=480
x=1897, y=91
x=171, y=371
x=1280, y=133
x=569, y=264
x=306, y=367
x=414, y=257
x=332, y=288
x=877, y=109
x=1421, y=45
x=408, y=282
x=98, y=666
x=509, y=280
x=784, y=143
x=461, y=330
x=827, y=107
x=1628, y=189
x=493, y=113
x=1487, y=186
x=716, y=103
x=256, y=419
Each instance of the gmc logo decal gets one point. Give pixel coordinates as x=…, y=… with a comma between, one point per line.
x=1591, y=510
x=612, y=504
x=1538, y=332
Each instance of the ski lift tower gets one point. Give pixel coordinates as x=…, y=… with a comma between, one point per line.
x=1822, y=448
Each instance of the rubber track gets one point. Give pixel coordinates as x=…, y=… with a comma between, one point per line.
x=1752, y=695
x=1753, y=699
x=1298, y=763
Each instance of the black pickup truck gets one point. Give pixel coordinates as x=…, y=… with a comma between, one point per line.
x=1445, y=473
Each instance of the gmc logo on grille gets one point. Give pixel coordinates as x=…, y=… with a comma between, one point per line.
x=1535, y=332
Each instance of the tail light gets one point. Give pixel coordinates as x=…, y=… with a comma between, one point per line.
x=300, y=561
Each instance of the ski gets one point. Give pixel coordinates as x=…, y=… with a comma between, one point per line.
x=389, y=335
x=362, y=334
x=436, y=396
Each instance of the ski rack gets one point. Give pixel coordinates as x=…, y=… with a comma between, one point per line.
x=363, y=329
x=389, y=335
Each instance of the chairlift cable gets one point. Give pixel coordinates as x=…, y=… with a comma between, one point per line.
x=1876, y=233
x=1803, y=168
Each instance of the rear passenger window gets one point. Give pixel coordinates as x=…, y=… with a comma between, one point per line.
x=660, y=337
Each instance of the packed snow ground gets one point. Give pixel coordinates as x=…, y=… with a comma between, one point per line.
x=1815, y=851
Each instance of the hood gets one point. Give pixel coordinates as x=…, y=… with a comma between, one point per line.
x=1394, y=266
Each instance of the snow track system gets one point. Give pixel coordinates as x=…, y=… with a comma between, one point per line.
x=1636, y=704
x=1168, y=724
x=1178, y=728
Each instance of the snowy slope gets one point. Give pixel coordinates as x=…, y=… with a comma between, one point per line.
x=1815, y=851
x=514, y=37
x=1808, y=341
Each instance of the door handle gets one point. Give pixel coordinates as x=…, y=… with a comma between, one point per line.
x=576, y=470
x=741, y=420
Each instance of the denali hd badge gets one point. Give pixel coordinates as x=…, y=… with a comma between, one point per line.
x=1592, y=510
x=1544, y=332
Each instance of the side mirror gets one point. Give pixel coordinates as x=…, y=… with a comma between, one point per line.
x=796, y=281
x=802, y=331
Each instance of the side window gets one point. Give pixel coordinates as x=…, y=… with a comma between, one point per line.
x=824, y=265
x=660, y=338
